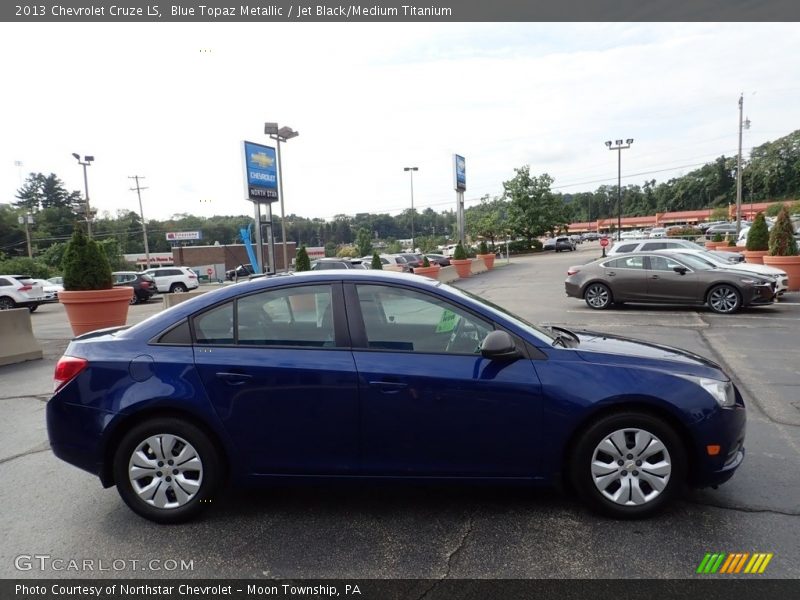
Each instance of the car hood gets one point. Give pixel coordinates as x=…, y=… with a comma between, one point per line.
x=620, y=349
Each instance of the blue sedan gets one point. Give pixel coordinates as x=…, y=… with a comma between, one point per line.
x=372, y=374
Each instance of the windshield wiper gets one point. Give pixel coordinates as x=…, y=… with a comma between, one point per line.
x=569, y=340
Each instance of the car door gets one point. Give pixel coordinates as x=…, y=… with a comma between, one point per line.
x=667, y=285
x=279, y=372
x=626, y=277
x=431, y=405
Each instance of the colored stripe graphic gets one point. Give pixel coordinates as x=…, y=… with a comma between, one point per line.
x=724, y=563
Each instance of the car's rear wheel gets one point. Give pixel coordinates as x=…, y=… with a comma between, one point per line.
x=629, y=465
x=724, y=299
x=6, y=303
x=598, y=296
x=177, y=288
x=33, y=307
x=134, y=299
x=166, y=470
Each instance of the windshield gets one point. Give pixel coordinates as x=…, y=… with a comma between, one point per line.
x=539, y=332
x=697, y=263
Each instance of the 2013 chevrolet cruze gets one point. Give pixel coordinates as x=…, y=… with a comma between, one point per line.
x=372, y=374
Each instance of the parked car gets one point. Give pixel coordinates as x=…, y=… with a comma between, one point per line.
x=173, y=280
x=664, y=278
x=724, y=229
x=241, y=271
x=20, y=291
x=563, y=243
x=590, y=236
x=170, y=408
x=549, y=244
x=624, y=247
x=49, y=289
x=412, y=261
x=658, y=232
x=393, y=260
x=144, y=287
x=324, y=264
x=439, y=259
x=719, y=259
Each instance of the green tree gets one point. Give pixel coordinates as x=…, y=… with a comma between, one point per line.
x=459, y=253
x=533, y=209
x=758, y=235
x=781, y=238
x=376, y=262
x=22, y=265
x=302, y=262
x=487, y=219
x=85, y=264
x=364, y=242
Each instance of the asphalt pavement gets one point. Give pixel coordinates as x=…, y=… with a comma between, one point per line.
x=432, y=531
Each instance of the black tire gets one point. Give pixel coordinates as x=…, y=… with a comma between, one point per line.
x=598, y=296
x=177, y=288
x=209, y=473
x=134, y=299
x=7, y=303
x=588, y=450
x=32, y=307
x=724, y=299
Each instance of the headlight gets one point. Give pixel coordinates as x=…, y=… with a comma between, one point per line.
x=750, y=281
x=721, y=391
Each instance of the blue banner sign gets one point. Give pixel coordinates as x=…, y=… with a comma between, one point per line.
x=460, y=170
x=261, y=172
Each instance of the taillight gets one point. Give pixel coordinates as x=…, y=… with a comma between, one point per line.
x=144, y=284
x=572, y=271
x=26, y=288
x=192, y=276
x=67, y=369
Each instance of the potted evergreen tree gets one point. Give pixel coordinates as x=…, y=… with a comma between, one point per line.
x=376, y=262
x=460, y=261
x=89, y=297
x=427, y=269
x=301, y=261
x=783, y=249
x=485, y=255
x=757, y=241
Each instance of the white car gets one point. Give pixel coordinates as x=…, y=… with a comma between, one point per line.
x=173, y=279
x=49, y=288
x=20, y=291
x=718, y=259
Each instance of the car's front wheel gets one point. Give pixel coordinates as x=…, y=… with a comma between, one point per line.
x=724, y=299
x=166, y=470
x=598, y=296
x=177, y=288
x=628, y=465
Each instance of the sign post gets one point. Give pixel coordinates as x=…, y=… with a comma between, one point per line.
x=603, y=244
x=460, y=184
x=261, y=187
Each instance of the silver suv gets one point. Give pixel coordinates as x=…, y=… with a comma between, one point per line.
x=626, y=246
x=173, y=279
x=18, y=291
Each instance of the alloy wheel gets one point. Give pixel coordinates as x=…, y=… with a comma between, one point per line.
x=598, y=296
x=723, y=299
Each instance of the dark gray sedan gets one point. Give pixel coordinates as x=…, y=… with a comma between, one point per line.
x=664, y=278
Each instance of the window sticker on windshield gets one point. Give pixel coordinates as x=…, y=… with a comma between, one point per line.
x=447, y=322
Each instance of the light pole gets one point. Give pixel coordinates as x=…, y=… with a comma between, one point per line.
x=282, y=134
x=27, y=220
x=742, y=125
x=87, y=160
x=619, y=147
x=411, y=172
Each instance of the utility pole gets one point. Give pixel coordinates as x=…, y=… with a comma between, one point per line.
x=742, y=125
x=619, y=147
x=138, y=189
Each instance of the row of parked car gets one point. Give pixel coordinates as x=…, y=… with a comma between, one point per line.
x=406, y=262
x=674, y=271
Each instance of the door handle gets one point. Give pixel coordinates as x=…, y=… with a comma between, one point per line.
x=654, y=277
x=611, y=273
x=389, y=387
x=234, y=378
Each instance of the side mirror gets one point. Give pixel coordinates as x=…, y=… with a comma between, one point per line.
x=499, y=345
x=681, y=270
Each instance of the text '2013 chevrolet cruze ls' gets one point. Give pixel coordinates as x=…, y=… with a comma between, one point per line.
x=364, y=374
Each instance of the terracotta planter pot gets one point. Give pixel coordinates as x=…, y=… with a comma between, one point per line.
x=96, y=309
x=755, y=257
x=711, y=245
x=725, y=247
x=432, y=271
x=790, y=264
x=463, y=267
x=488, y=260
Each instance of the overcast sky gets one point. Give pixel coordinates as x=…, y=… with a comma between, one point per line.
x=173, y=101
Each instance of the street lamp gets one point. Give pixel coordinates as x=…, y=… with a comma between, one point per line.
x=411, y=172
x=619, y=147
x=282, y=134
x=87, y=160
x=742, y=125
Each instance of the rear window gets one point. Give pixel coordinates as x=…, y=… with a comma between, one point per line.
x=626, y=248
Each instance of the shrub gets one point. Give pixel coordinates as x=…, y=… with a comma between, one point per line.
x=781, y=238
x=85, y=265
x=758, y=236
x=425, y=262
x=302, y=262
x=25, y=266
x=459, y=253
x=483, y=248
x=376, y=262
x=717, y=237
